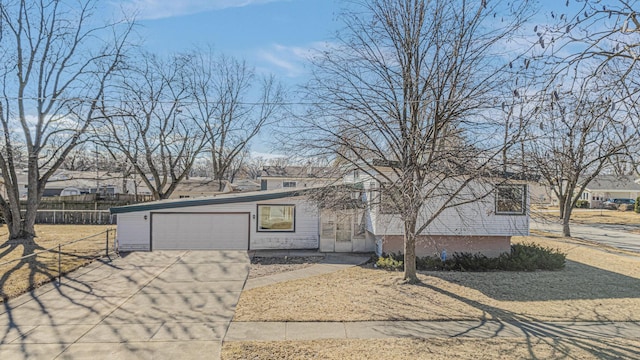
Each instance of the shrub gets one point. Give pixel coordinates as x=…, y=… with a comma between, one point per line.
x=582, y=204
x=390, y=262
x=523, y=257
x=636, y=206
x=529, y=257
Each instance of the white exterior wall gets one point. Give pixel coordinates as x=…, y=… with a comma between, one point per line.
x=476, y=219
x=276, y=183
x=134, y=231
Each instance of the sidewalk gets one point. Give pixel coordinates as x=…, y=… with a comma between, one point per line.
x=331, y=263
x=280, y=331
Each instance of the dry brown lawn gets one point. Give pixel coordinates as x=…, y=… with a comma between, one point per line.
x=436, y=349
x=610, y=217
x=596, y=285
x=19, y=276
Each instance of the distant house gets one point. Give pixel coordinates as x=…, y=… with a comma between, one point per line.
x=65, y=182
x=606, y=187
x=199, y=187
x=292, y=177
x=245, y=185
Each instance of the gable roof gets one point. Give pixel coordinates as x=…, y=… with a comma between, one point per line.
x=227, y=198
x=614, y=183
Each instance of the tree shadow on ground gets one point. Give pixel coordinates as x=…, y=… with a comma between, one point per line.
x=126, y=303
x=20, y=282
x=576, y=281
x=560, y=336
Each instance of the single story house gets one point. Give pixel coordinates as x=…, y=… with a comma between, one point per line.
x=291, y=219
x=605, y=187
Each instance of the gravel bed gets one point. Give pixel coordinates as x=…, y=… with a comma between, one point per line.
x=265, y=266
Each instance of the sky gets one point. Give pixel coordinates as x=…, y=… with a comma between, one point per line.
x=274, y=36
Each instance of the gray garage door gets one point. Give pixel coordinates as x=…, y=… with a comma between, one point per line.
x=199, y=231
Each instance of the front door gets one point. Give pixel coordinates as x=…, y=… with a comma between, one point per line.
x=344, y=229
x=336, y=231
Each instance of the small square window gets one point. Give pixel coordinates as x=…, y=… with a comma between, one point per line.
x=511, y=199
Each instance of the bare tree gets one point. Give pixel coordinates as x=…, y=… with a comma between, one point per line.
x=150, y=124
x=588, y=106
x=254, y=166
x=55, y=65
x=576, y=133
x=593, y=31
x=414, y=85
x=226, y=110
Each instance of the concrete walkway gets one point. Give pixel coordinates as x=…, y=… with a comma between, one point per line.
x=330, y=263
x=280, y=331
x=153, y=305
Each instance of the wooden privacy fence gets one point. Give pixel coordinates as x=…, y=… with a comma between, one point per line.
x=74, y=217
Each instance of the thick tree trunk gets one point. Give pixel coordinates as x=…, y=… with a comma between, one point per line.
x=410, y=252
x=566, y=230
x=566, y=216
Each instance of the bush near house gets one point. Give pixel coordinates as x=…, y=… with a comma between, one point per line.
x=523, y=257
x=636, y=206
x=582, y=204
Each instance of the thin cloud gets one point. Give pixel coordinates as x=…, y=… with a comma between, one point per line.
x=291, y=60
x=160, y=9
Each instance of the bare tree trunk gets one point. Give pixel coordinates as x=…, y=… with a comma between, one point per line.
x=566, y=229
x=410, y=252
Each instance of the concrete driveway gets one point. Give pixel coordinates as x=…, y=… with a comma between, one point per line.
x=159, y=305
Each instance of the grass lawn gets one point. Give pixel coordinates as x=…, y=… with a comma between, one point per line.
x=19, y=276
x=591, y=216
x=436, y=349
x=598, y=284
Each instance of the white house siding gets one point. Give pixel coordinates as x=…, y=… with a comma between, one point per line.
x=301, y=183
x=134, y=231
x=306, y=235
x=477, y=219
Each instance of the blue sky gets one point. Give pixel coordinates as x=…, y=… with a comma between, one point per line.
x=274, y=36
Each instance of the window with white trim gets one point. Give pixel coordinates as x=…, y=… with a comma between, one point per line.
x=276, y=218
x=291, y=184
x=511, y=199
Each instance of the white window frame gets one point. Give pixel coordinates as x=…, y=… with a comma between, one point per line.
x=291, y=211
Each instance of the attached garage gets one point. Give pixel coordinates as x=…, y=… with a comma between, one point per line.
x=273, y=219
x=200, y=231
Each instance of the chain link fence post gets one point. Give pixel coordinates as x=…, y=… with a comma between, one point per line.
x=106, y=248
x=59, y=264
